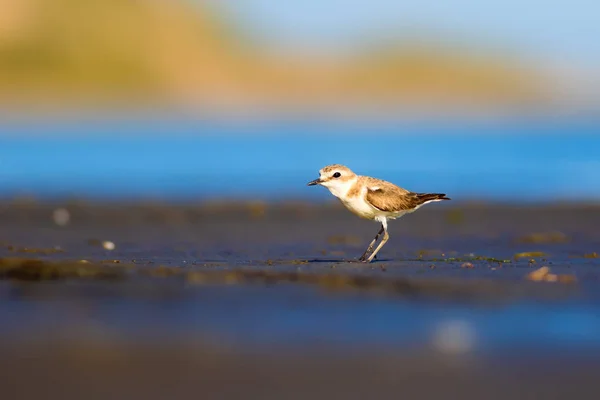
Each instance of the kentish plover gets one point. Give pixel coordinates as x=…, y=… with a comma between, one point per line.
x=372, y=198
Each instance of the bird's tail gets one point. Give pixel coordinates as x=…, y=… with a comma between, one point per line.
x=427, y=197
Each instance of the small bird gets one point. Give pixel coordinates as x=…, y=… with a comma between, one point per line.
x=372, y=198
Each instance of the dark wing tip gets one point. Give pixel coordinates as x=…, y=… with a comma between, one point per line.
x=423, y=197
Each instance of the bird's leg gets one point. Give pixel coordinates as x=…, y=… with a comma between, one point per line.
x=383, y=241
x=370, y=248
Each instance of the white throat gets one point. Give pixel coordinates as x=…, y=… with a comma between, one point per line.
x=340, y=189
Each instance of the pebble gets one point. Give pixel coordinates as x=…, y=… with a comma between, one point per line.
x=539, y=274
x=454, y=337
x=61, y=216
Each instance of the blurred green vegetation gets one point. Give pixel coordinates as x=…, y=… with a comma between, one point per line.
x=148, y=50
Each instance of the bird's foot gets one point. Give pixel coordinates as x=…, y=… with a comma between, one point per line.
x=364, y=258
x=366, y=254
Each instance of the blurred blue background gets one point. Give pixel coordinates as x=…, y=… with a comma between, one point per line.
x=212, y=99
x=515, y=162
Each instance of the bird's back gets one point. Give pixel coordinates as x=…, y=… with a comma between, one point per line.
x=388, y=197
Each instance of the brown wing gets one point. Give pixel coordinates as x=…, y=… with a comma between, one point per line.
x=386, y=200
x=391, y=198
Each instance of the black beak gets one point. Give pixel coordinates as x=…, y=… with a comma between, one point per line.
x=315, y=182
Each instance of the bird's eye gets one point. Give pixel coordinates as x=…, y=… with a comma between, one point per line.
x=337, y=175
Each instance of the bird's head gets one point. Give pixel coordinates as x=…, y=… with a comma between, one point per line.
x=336, y=177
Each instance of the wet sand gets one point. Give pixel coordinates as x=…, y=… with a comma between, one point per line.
x=267, y=301
x=501, y=242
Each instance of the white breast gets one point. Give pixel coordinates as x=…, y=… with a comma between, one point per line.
x=359, y=206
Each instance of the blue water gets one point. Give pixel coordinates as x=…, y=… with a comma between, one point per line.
x=173, y=159
x=295, y=315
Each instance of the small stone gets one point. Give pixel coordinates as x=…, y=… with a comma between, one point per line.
x=61, y=216
x=455, y=337
x=108, y=245
x=539, y=274
x=467, y=265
